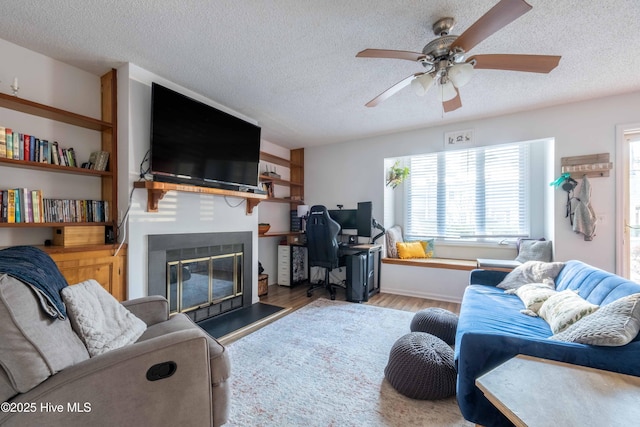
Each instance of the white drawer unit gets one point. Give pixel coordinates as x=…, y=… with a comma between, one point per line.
x=292, y=265
x=284, y=265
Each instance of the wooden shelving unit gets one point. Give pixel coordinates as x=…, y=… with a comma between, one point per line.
x=157, y=190
x=295, y=183
x=107, y=126
x=90, y=261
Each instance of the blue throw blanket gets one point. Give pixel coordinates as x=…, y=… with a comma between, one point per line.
x=36, y=268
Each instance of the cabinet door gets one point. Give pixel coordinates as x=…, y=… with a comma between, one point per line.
x=99, y=265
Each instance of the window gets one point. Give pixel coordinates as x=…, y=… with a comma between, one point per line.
x=475, y=194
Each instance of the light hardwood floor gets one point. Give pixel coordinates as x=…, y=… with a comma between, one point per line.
x=296, y=297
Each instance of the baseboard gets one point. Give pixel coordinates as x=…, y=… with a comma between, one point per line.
x=409, y=293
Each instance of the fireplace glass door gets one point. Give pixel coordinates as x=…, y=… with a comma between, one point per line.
x=199, y=282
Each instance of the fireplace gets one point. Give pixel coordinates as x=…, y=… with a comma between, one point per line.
x=202, y=275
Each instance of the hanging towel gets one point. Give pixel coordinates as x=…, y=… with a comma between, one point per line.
x=584, y=220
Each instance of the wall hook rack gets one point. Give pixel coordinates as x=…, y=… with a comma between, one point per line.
x=593, y=165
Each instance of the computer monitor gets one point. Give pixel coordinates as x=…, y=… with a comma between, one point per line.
x=347, y=218
x=364, y=218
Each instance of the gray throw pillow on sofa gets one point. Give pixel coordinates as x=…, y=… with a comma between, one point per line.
x=532, y=272
x=614, y=324
x=534, y=250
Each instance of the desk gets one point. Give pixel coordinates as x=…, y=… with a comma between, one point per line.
x=373, y=259
x=531, y=391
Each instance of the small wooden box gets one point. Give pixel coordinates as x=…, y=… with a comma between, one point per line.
x=263, y=284
x=78, y=235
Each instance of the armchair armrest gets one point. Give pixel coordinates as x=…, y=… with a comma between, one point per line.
x=151, y=310
x=113, y=389
x=486, y=277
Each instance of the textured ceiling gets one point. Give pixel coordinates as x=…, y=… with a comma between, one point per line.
x=290, y=64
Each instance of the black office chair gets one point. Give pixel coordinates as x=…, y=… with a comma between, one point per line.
x=322, y=245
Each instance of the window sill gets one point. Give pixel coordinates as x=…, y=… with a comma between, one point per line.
x=445, y=263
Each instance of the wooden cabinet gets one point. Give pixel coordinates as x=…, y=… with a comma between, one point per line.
x=295, y=183
x=93, y=262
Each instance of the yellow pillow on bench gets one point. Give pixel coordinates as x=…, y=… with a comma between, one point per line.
x=408, y=250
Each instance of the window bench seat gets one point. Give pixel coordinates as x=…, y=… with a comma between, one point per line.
x=442, y=279
x=446, y=263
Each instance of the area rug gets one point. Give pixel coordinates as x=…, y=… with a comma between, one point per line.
x=323, y=365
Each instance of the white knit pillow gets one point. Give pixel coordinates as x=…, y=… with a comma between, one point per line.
x=614, y=324
x=533, y=295
x=564, y=309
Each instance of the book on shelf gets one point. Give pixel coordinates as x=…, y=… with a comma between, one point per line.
x=36, y=203
x=72, y=157
x=103, y=161
x=26, y=147
x=16, y=145
x=11, y=206
x=3, y=142
x=32, y=148
x=9, y=141
x=55, y=160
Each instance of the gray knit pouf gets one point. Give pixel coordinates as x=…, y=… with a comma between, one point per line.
x=421, y=367
x=436, y=321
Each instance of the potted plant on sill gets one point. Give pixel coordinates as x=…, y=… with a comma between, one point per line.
x=397, y=174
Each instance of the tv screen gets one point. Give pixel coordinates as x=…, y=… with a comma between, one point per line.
x=195, y=143
x=345, y=217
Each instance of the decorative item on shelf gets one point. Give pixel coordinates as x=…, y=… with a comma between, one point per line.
x=273, y=173
x=14, y=87
x=397, y=174
x=263, y=228
x=268, y=187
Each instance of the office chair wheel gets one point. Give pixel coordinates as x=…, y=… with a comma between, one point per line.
x=309, y=294
x=332, y=293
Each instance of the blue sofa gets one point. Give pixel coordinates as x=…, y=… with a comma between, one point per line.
x=492, y=330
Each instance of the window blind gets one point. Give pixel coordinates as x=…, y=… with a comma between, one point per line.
x=475, y=194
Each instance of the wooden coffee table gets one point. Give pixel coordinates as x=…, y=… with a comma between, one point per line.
x=531, y=391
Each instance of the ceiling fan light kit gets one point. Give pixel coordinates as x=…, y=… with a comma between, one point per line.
x=444, y=57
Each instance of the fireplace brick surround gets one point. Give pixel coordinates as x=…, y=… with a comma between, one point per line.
x=164, y=248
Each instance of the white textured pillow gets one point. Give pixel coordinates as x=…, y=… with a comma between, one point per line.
x=614, y=324
x=99, y=319
x=533, y=295
x=564, y=309
x=532, y=272
x=393, y=236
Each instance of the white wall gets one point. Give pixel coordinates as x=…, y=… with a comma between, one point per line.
x=579, y=128
x=50, y=82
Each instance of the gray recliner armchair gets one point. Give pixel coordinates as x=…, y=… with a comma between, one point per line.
x=174, y=374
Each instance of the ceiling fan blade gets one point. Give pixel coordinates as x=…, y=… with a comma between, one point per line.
x=391, y=54
x=392, y=90
x=529, y=63
x=452, y=104
x=499, y=16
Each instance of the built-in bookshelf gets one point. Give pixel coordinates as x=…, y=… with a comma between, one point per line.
x=107, y=126
x=295, y=183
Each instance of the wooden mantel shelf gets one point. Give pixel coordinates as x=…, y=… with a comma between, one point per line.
x=156, y=191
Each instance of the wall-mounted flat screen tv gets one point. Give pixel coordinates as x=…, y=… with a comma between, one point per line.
x=194, y=143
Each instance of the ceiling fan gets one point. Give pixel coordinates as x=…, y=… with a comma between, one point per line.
x=445, y=57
